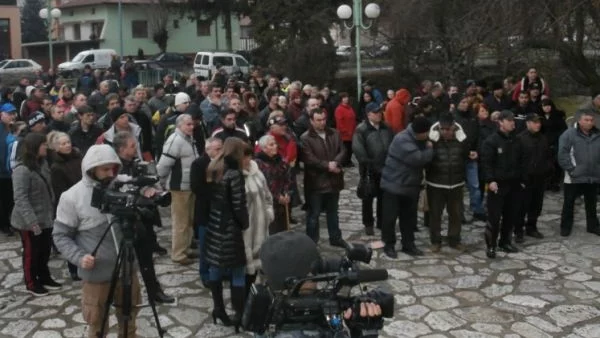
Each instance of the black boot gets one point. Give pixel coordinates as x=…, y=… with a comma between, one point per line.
x=216, y=290
x=490, y=242
x=238, y=302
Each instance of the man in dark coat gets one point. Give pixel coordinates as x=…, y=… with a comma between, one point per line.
x=553, y=125
x=497, y=101
x=370, y=145
x=401, y=180
x=323, y=153
x=85, y=133
x=538, y=166
x=445, y=180
x=502, y=160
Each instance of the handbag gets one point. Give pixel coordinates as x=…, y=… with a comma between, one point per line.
x=368, y=187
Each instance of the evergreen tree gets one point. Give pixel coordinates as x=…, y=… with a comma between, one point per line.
x=33, y=28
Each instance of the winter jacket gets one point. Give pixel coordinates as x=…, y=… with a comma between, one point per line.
x=345, y=121
x=202, y=189
x=523, y=86
x=588, y=107
x=5, y=138
x=225, y=133
x=79, y=227
x=175, y=163
x=286, y=147
x=98, y=102
x=370, y=145
x=224, y=242
x=316, y=154
x=259, y=203
x=579, y=155
x=145, y=138
x=55, y=125
x=469, y=124
x=276, y=172
x=494, y=104
x=28, y=108
x=407, y=157
x=395, y=115
x=486, y=128
x=210, y=114
x=447, y=169
x=83, y=140
x=502, y=158
x=65, y=171
x=33, y=196
x=165, y=128
x=553, y=125
x=536, y=152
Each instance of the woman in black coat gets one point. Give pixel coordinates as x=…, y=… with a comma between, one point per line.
x=228, y=218
x=65, y=171
x=553, y=125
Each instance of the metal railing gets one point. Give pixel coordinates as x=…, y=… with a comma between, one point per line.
x=150, y=77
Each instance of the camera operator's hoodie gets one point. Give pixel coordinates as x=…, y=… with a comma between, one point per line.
x=79, y=227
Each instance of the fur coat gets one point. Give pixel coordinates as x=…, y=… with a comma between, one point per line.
x=259, y=203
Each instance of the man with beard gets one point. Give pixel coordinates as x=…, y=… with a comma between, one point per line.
x=229, y=127
x=132, y=108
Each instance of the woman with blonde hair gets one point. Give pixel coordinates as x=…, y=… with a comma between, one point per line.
x=228, y=218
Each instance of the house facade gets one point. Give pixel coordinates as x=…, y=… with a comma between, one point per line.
x=87, y=24
x=10, y=30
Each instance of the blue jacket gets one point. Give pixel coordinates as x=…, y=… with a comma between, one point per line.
x=402, y=173
x=4, y=153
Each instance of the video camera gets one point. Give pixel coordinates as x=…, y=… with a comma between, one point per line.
x=123, y=198
x=292, y=308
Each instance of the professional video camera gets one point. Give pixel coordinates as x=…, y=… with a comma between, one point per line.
x=292, y=308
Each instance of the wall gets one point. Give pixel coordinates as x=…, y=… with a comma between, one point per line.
x=12, y=13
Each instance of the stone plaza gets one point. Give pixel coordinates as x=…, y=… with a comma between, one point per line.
x=549, y=289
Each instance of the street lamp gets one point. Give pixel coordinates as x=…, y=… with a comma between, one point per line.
x=345, y=12
x=55, y=13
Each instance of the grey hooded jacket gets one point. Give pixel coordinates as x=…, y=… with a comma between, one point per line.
x=79, y=227
x=34, y=199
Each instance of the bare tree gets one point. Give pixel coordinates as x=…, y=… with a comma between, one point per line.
x=158, y=19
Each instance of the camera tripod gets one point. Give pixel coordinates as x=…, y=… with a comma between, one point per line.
x=124, y=269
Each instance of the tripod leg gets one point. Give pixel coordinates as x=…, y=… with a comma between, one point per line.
x=111, y=292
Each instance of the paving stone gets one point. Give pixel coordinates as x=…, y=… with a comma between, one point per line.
x=443, y=321
x=471, y=296
x=543, y=324
x=518, y=309
x=588, y=331
x=432, y=271
x=19, y=328
x=440, y=303
x=431, y=289
x=579, y=277
x=480, y=314
x=402, y=300
x=414, y=312
x=487, y=328
x=496, y=290
x=529, y=301
x=529, y=331
x=403, y=328
x=467, y=282
x=505, y=278
x=565, y=315
x=470, y=334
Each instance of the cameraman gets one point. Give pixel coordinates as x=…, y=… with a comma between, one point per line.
x=293, y=254
x=79, y=228
x=125, y=144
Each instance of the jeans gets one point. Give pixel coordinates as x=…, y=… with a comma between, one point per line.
x=203, y=269
x=238, y=275
x=590, y=196
x=473, y=186
x=404, y=208
x=329, y=203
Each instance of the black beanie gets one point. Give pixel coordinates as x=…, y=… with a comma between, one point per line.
x=446, y=119
x=115, y=113
x=421, y=125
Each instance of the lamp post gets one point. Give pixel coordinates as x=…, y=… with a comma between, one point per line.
x=50, y=14
x=344, y=12
x=120, y=15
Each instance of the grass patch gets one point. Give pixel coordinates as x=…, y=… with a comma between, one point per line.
x=570, y=104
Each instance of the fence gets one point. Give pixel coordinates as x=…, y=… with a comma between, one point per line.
x=150, y=77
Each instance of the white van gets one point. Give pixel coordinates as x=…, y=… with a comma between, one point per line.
x=205, y=63
x=96, y=58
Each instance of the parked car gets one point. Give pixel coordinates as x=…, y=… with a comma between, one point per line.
x=95, y=58
x=12, y=70
x=174, y=61
x=206, y=63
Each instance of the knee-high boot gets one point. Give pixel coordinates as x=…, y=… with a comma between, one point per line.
x=238, y=302
x=216, y=290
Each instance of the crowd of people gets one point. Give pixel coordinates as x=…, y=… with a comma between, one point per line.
x=229, y=150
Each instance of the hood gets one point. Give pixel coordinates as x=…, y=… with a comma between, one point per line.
x=253, y=170
x=97, y=155
x=402, y=96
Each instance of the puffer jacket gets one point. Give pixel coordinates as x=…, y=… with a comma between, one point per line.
x=370, y=145
x=79, y=227
x=65, y=171
x=34, y=198
x=471, y=128
x=224, y=242
x=395, y=112
x=316, y=154
x=536, y=152
x=447, y=169
x=402, y=173
x=579, y=155
x=502, y=158
x=175, y=163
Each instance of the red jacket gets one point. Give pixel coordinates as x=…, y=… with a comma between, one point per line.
x=524, y=84
x=345, y=121
x=286, y=146
x=395, y=112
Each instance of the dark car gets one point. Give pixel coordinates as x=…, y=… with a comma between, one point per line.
x=174, y=61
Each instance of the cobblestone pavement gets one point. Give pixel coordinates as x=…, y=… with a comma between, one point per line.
x=550, y=289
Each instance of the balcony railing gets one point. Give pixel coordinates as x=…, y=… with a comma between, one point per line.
x=248, y=44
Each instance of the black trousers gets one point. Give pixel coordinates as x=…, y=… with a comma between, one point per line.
x=144, y=245
x=348, y=158
x=36, y=254
x=531, y=208
x=503, y=209
x=440, y=199
x=404, y=208
x=367, y=206
x=6, y=202
x=590, y=196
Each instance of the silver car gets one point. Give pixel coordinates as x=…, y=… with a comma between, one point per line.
x=12, y=70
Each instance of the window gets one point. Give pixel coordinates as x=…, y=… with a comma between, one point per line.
x=139, y=29
x=89, y=58
x=96, y=30
x=76, y=31
x=203, y=27
x=205, y=60
x=241, y=62
x=223, y=60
